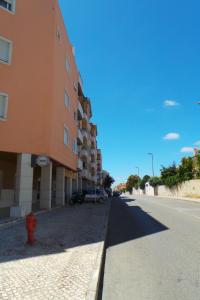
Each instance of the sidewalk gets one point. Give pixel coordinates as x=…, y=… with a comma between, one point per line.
x=65, y=261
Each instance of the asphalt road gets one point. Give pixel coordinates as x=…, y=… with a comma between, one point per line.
x=153, y=250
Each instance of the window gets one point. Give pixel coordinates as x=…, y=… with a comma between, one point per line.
x=3, y=106
x=67, y=99
x=8, y=5
x=66, y=136
x=75, y=147
x=68, y=66
x=75, y=87
x=5, y=50
x=58, y=34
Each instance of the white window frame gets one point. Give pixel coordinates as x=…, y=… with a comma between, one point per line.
x=6, y=107
x=66, y=129
x=58, y=33
x=66, y=94
x=13, y=4
x=75, y=86
x=75, y=147
x=10, y=51
x=67, y=64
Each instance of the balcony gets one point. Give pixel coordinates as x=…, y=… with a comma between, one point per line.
x=79, y=164
x=84, y=153
x=80, y=111
x=93, y=152
x=80, y=137
x=80, y=81
x=99, y=158
x=84, y=173
x=94, y=178
x=93, y=165
x=85, y=117
x=84, y=134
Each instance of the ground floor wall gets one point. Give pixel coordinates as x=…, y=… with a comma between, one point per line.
x=25, y=187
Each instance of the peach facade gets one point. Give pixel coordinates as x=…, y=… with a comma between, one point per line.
x=36, y=81
x=43, y=111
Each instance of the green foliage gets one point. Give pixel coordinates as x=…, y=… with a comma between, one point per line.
x=108, y=181
x=155, y=181
x=132, y=182
x=197, y=166
x=185, y=170
x=144, y=180
x=173, y=175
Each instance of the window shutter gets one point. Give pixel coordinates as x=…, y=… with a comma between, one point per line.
x=4, y=50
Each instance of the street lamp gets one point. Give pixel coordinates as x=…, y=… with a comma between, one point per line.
x=138, y=171
x=152, y=159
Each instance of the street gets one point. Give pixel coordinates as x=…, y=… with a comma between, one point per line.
x=153, y=250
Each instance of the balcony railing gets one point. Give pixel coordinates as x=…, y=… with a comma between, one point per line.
x=80, y=111
x=79, y=164
x=93, y=152
x=84, y=173
x=80, y=137
x=84, y=153
x=93, y=165
x=84, y=133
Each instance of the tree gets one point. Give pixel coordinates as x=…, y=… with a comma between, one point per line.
x=155, y=181
x=108, y=181
x=143, y=182
x=170, y=175
x=186, y=168
x=132, y=182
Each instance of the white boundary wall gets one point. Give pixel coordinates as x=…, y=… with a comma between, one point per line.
x=189, y=188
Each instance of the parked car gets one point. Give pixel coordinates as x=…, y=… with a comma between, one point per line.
x=116, y=194
x=96, y=195
x=109, y=192
x=77, y=198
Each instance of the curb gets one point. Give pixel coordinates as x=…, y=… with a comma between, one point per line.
x=92, y=292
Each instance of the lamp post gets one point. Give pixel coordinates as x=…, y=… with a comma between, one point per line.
x=152, y=160
x=138, y=178
x=138, y=171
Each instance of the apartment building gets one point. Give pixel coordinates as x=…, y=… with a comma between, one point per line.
x=87, y=145
x=41, y=102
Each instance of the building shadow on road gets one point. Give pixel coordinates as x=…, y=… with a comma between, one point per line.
x=130, y=222
x=127, y=223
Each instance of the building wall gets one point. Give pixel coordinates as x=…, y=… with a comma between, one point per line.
x=35, y=82
x=64, y=80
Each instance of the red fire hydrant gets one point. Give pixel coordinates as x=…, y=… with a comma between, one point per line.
x=31, y=223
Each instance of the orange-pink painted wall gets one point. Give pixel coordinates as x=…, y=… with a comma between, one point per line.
x=35, y=82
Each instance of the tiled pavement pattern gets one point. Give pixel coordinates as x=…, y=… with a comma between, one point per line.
x=60, y=264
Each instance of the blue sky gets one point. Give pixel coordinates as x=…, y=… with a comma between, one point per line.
x=133, y=56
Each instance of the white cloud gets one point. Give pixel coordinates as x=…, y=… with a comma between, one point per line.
x=170, y=103
x=197, y=143
x=187, y=150
x=172, y=136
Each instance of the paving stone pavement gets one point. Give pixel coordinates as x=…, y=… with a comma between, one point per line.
x=60, y=264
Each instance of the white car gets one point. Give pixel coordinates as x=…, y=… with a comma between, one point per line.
x=96, y=195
